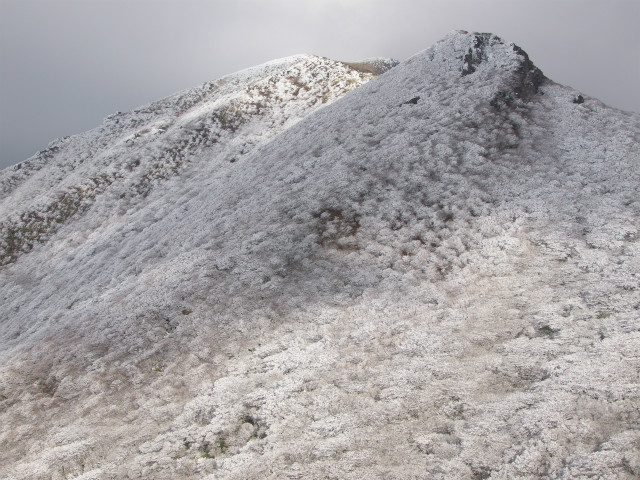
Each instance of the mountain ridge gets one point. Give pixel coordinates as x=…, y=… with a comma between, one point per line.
x=223, y=106
x=433, y=277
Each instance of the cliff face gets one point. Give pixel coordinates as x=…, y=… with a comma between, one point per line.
x=433, y=277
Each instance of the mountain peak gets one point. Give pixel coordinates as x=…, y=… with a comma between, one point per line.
x=251, y=280
x=485, y=56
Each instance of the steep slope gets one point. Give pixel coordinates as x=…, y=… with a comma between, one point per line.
x=218, y=122
x=434, y=277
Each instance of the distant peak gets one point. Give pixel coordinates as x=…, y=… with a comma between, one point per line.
x=375, y=66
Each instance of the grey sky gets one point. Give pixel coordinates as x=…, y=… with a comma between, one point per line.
x=66, y=64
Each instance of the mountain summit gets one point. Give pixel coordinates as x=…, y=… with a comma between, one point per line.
x=434, y=275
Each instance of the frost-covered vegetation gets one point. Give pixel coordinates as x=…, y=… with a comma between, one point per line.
x=131, y=153
x=436, y=276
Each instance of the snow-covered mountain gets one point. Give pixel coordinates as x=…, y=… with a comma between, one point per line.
x=434, y=276
x=216, y=123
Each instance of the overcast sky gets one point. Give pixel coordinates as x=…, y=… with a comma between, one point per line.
x=66, y=64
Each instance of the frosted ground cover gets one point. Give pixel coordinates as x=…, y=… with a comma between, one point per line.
x=132, y=152
x=395, y=287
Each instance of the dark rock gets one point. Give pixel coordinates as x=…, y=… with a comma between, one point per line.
x=477, y=54
x=502, y=100
x=529, y=78
x=524, y=85
x=468, y=60
x=413, y=101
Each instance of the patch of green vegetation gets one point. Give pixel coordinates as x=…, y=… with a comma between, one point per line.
x=222, y=445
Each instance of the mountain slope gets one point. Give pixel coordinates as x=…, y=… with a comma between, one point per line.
x=433, y=277
x=132, y=152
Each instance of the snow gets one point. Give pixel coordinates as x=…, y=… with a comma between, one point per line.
x=445, y=289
